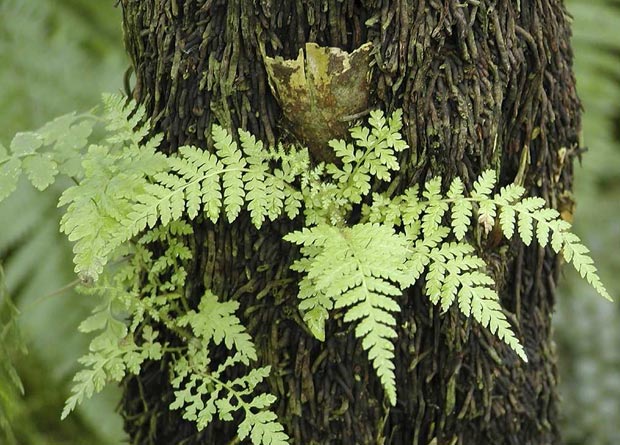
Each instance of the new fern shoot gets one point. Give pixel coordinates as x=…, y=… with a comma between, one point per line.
x=127, y=195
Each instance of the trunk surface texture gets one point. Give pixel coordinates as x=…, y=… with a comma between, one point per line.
x=482, y=84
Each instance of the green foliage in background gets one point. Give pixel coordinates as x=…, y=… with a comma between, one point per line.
x=55, y=55
x=590, y=355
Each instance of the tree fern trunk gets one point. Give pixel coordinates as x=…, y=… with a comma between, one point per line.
x=483, y=84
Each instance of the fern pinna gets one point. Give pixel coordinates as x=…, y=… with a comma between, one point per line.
x=127, y=195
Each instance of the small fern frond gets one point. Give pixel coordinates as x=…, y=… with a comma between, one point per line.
x=263, y=428
x=436, y=207
x=486, y=310
x=318, y=261
x=266, y=191
x=43, y=154
x=203, y=392
x=125, y=120
x=362, y=269
x=216, y=322
x=577, y=254
x=534, y=219
x=113, y=354
x=234, y=163
x=10, y=171
x=461, y=209
x=483, y=187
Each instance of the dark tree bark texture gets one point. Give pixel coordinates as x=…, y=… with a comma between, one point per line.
x=483, y=84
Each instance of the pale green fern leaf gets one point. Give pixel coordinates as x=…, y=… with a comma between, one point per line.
x=526, y=210
x=509, y=194
x=361, y=268
x=216, y=322
x=102, y=210
x=203, y=392
x=485, y=308
x=263, y=429
x=526, y=228
x=201, y=171
x=25, y=143
x=61, y=154
x=315, y=301
x=112, y=355
x=461, y=209
x=346, y=151
x=483, y=187
x=10, y=171
x=256, y=180
x=411, y=209
x=394, y=137
x=232, y=158
x=576, y=253
x=41, y=170
x=436, y=207
x=125, y=120
x=507, y=218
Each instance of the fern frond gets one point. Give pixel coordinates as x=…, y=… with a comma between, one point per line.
x=315, y=302
x=265, y=191
x=125, y=120
x=533, y=217
x=435, y=206
x=483, y=187
x=507, y=196
x=202, y=392
x=10, y=171
x=263, y=429
x=461, y=209
x=113, y=355
x=577, y=254
x=232, y=158
x=485, y=308
x=203, y=189
x=43, y=154
x=361, y=268
x=216, y=322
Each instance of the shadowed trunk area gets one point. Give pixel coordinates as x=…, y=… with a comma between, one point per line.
x=482, y=84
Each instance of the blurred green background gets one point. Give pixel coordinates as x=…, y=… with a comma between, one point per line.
x=59, y=55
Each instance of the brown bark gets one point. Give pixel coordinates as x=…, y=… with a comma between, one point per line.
x=483, y=84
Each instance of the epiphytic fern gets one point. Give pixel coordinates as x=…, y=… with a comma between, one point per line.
x=361, y=269
x=129, y=195
x=202, y=390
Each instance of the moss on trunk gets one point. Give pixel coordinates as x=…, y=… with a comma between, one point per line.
x=484, y=84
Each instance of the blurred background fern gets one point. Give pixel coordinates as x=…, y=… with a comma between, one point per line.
x=59, y=55
x=56, y=56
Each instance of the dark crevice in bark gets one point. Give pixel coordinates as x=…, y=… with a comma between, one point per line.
x=483, y=84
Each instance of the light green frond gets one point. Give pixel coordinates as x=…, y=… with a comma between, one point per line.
x=10, y=171
x=360, y=269
x=232, y=158
x=203, y=392
x=461, y=209
x=216, y=322
x=483, y=187
x=263, y=429
x=507, y=218
x=436, y=207
x=125, y=120
x=485, y=308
